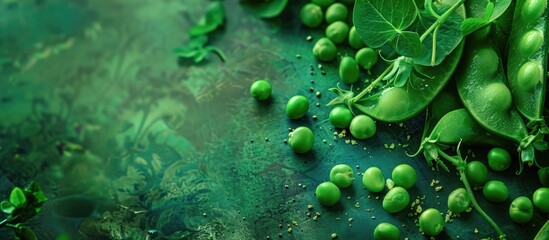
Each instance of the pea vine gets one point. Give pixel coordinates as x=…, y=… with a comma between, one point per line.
x=22, y=205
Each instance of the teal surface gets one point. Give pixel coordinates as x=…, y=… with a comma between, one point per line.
x=124, y=138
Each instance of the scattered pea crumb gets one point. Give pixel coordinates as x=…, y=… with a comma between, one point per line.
x=315, y=117
x=386, y=145
x=318, y=104
x=298, y=56
x=475, y=231
x=289, y=230
x=373, y=217
x=318, y=213
x=438, y=188
x=309, y=206
x=315, y=218
x=338, y=219
x=347, y=141
x=353, y=142
x=309, y=38
x=295, y=223
x=392, y=146
x=334, y=235
x=317, y=94
x=350, y=219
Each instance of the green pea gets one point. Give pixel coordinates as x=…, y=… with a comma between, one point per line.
x=476, y=173
x=431, y=222
x=342, y=175
x=392, y=101
x=495, y=191
x=481, y=34
x=297, y=107
x=541, y=199
x=386, y=231
x=530, y=43
x=337, y=31
x=327, y=194
x=325, y=50
x=529, y=75
x=396, y=200
x=459, y=200
x=348, y=70
x=373, y=180
x=362, y=127
x=311, y=15
x=336, y=12
x=404, y=176
x=366, y=58
x=499, y=159
x=487, y=60
x=532, y=10
x=323, y=3
x=543, y=175
x=521, y=210
x=497, y=94
x=354, y=40
x=301, y=140
x=341, y=117
x=261, y=89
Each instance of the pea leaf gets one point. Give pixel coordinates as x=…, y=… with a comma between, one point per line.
x=7, y=207
x=380, y=21
x=211, y=20
x=25, y=233
x=448, y=37
x=483, y=8
x=470, y=25
x=408, y=44
x=17, y=197
x=265, y=9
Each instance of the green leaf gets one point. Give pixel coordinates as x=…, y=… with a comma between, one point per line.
x=408, y=44
x=541, y=145
x=7, y=207
x=25, y=233
x=470, y=25
x=482, y=8
x=489, y=11
x=211, y=20
x=265, y=9
x=380, y=21
x=17, y=197
x=447, y=39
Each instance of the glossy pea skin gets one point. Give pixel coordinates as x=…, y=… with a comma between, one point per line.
x=532, y=10
x=348, y=70
x=327, y=193
x=499, y=159
x=336, y=12
x=431, y=222
x=459, y=200
x=342, y=175
x=337, y=31
x=340, y=117
x=366, y=58
x=404, y=176
x=476, y=173
x=392, y=101
x=529, y=75
x=362, y=127
x=521, y=210
x=495, y=191
x=530, y=43
x=311, y=15
x=261, y=90
x=541, y=199
x=297, y=107
x=325, y=50
x=323, y=3
x=373, y=180
x=354, y=40
x=487, y=60
x=301, y=140
x=396, y=200
x=386, y=231
x=498, y=95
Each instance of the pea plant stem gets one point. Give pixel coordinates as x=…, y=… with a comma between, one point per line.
x=440, y=20
x=458, y=162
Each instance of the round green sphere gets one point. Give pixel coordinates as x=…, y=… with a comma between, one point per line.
x=340, y=117
x=541, y=199
x=396, y=200
x=495, y=191
x=521, y=210
x=373, y=180
x=342, y=175
x=404, y=176
x=386, y=231
x=327, y=194
x=301, y=140
x=362, y=127
x=499, y=159
x=297, y=107
x=459, y=200
x=476, y=173
x=261, y=90
x=336, y=12
x=325, y=50
x=311, y=15
x=431, y=222
x=366, y=58
x=337, y=31
x=348, y=70
x=354, y=40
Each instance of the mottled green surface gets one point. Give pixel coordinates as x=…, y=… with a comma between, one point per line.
x=86, y=74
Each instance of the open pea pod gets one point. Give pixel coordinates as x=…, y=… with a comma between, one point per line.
x=543, y=232
x=482, y=87
x=527, y=58
x=396, y=104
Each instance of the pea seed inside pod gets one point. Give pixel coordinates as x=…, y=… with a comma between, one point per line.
x=348, y=70
x=529, y=75
x=498, y=95
x=487, y=60
x=392, y=101
x=533, y=9
x=530, y=43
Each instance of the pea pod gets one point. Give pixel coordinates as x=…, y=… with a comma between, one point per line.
x=482, y=87
x=527, y=60
x=543, y=232
x=396, y=104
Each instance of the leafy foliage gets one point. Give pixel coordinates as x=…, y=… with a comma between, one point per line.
x=491, y=12
x=23, y=204
x=211, y=20
x=197, y=50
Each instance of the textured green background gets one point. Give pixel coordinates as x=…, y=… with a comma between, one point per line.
x=86, y=74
